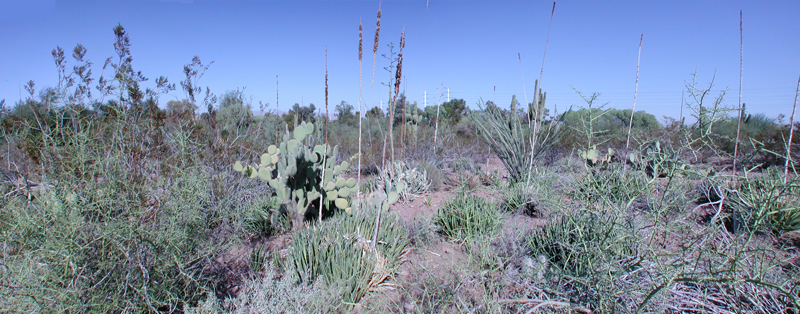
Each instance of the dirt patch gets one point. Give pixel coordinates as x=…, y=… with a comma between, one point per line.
x=428, y=274
x=421, y=205
x=229, y=270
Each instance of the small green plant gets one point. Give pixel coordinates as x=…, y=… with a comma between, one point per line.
x=583, y=251
x=614, y=185
x=518, y=197
x=267, y=217
x=422, y=231
x=466, y=217
x=658, y=161
x=340, y=251
x=765, y=200
x=258, y=258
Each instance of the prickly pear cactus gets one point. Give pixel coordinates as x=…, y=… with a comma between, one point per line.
x=593, y=158
x=294, y=170
x=658, y=161
x=385, y=197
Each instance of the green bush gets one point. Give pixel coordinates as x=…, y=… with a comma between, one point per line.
x=518, y=197
x=466, y=217
x=615, y=185
x=611, y=126
x=434, y=175
x=764, y=200
x=265, y=217
x=340, y=252
x=94, y=250
x=582, y=251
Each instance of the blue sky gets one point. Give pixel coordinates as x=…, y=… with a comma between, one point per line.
x=469, y=47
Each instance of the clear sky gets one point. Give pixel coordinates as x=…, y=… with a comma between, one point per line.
x=469, y=47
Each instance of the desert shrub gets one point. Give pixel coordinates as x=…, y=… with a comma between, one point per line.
x=277, y=291
x=516, y=197
x=266, y=216
x=615, y=185
x=98, y=253
x=340, y=252
x=523, y=198
x=463, y=164
x=538, y=198
x=345, y=136
x=765, y=200
x=422, y=231
x=612, y=125
x=583, y=251
x=466, y=217
x=434, y=175
x=762, y=139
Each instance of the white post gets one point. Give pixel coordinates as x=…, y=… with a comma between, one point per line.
x=425, y=99
x=448, y=95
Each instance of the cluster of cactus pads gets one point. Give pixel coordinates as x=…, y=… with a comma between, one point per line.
x=658, y=161
x=593, y=158
x=386, y=196
x=295, y=170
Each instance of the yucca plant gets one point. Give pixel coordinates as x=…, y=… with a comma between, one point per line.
x=509, y=138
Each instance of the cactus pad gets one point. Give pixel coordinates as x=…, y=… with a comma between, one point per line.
x=393, y=197
x=341, y=203
x=264, y=174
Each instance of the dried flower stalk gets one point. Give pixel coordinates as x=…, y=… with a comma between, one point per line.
x=375, y=45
